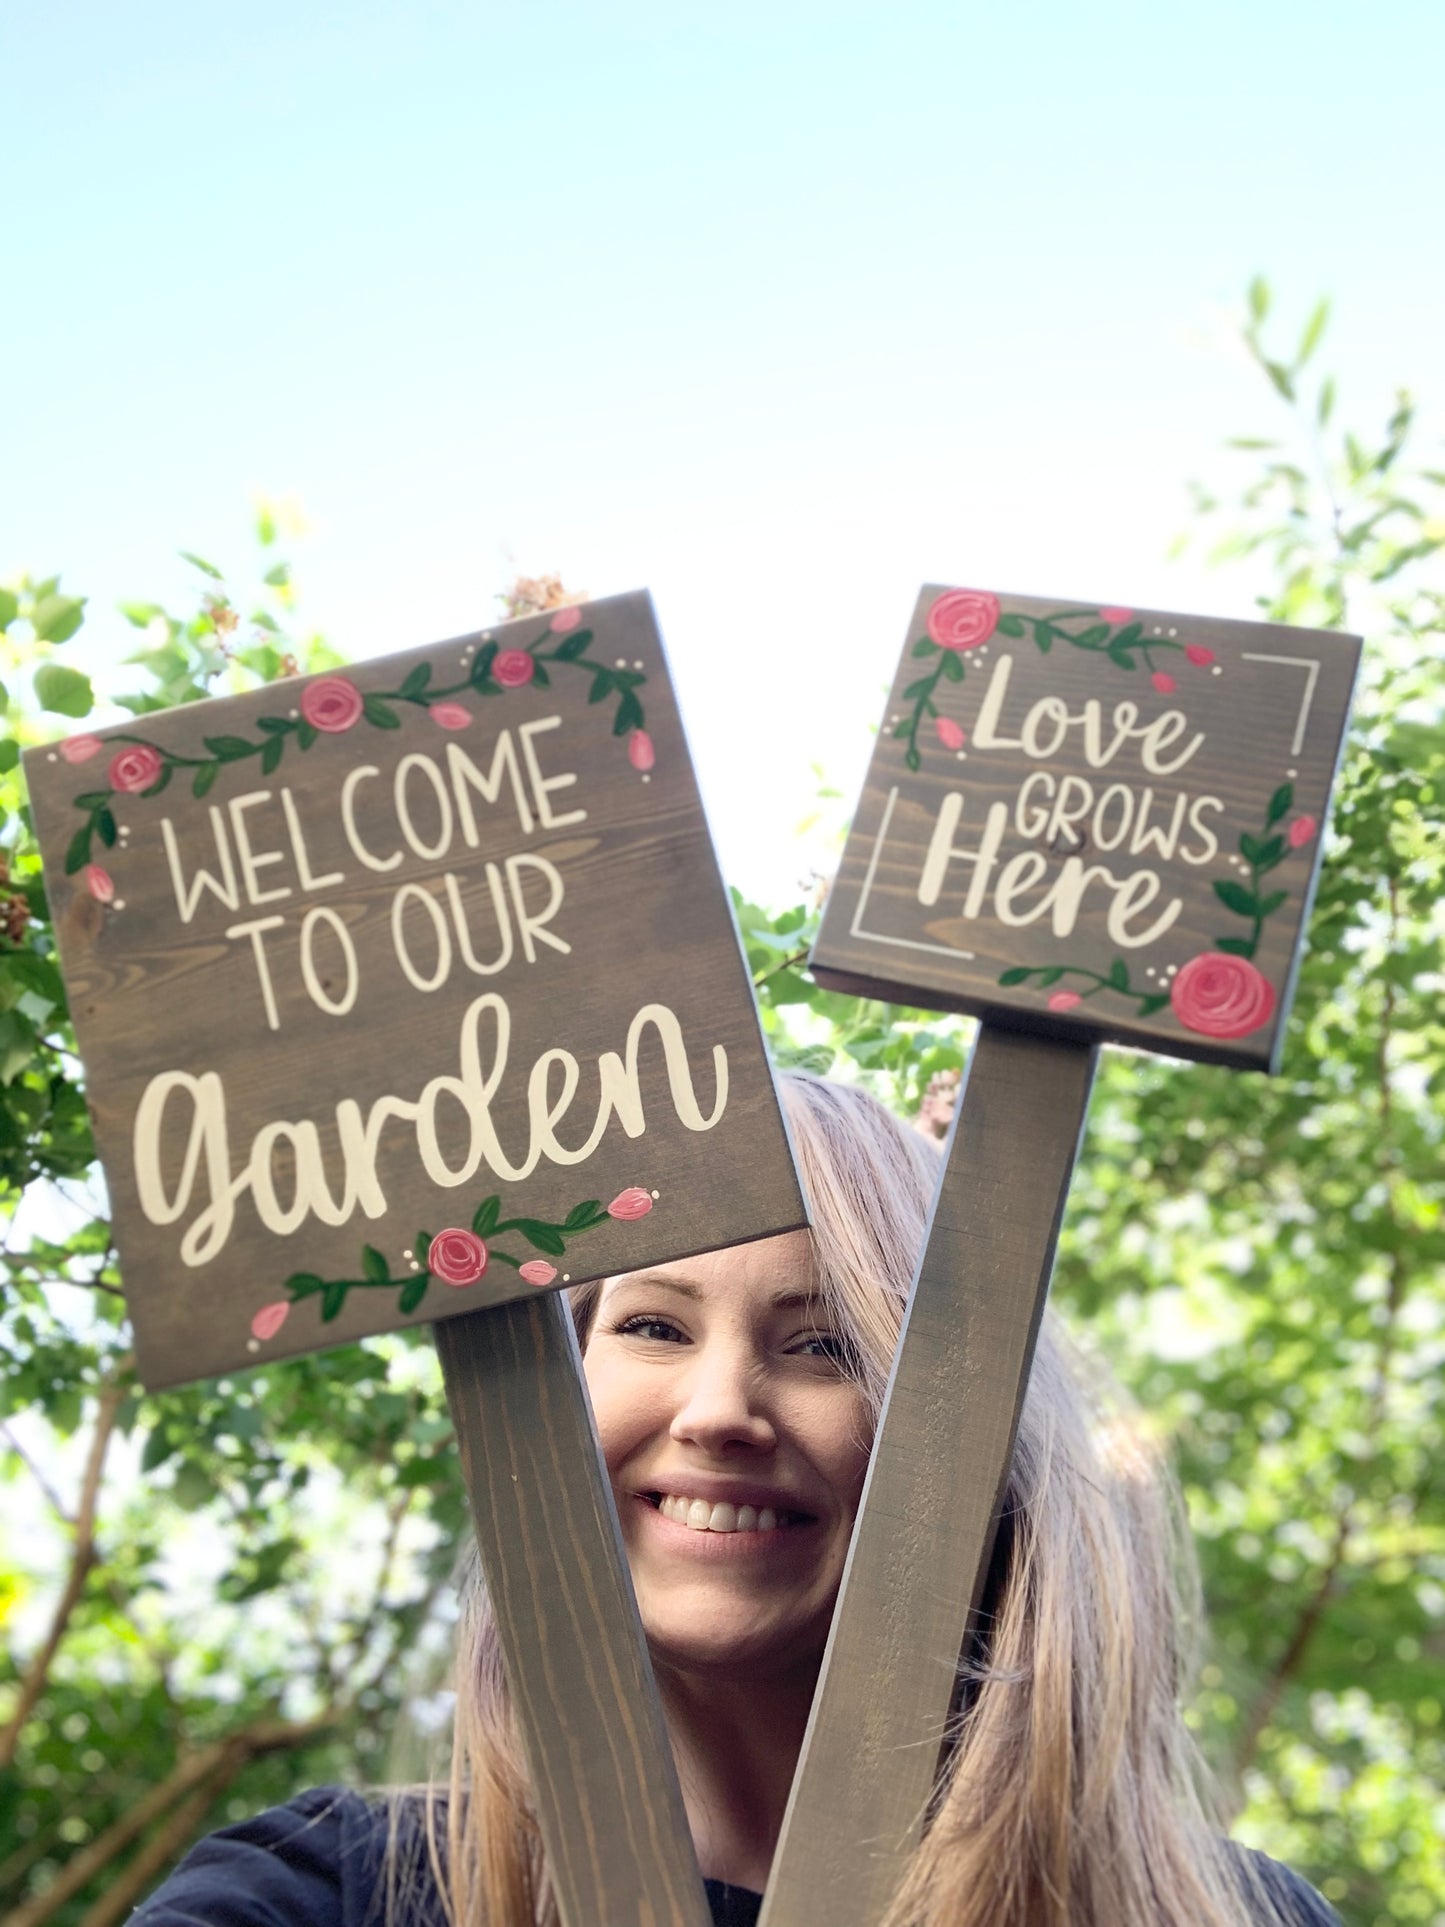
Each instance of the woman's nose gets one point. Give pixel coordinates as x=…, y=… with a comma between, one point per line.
x=724, y=1404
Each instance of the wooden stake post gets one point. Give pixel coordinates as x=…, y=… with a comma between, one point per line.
x=1082, y=824
x=413, y=995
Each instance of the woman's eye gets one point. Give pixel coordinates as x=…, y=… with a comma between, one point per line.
x=643, y=1325
x=824, y=1345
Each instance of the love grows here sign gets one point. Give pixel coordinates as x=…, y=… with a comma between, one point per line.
x=1085, y=818
x=407, y=991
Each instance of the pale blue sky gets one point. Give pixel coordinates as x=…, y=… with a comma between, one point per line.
x=779, y=311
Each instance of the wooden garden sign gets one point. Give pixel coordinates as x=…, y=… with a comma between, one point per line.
x=414, y=991
x=1082, y=824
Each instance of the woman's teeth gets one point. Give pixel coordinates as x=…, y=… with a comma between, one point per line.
x=703, y=1516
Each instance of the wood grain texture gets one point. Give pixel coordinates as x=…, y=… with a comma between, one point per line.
x=608, y=1802
x=1094, y=822
x=926, y=1527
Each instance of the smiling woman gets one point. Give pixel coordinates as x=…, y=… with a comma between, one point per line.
x=736, y=1396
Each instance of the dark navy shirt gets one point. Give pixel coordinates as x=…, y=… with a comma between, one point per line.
x=319, y=1861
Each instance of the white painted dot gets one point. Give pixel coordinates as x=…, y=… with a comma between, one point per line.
x=487, y=637
x=293, y=714
x=566, y=1277
x=119, y=903
x=253, y=1344
x=657, y=1194
x=1157, y=630
x=413, y=1263
x=51, y=758
x=647, y=779
x=1216, y=670
x=1291, y=772
x=1174, y=632
x=962, y=755
x=622, y=662
x=637, y=665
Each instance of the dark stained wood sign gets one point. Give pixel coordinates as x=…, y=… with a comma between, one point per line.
x=407, y=991
x=1094, y=821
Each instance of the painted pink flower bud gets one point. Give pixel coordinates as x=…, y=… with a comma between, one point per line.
x=1065, y=1000
x=456, y=1257
x=640, y=752
x=513, y=668
x=1163, y=682
x=269, y=1319
x=80, y=749
x=1221, y=996
x=536, y=1271
x=1198, y=654
x=450, y=715
x=1114, y=613
x=99, y=882
x=949, y=733
x=630, y=1204
x=134, y=769
x=331, y=704
x=963, y=618
x=1301, y=831
x=565, y=619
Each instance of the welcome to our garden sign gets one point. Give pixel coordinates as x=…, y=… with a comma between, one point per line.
x=406, y=991
x=1083, y=817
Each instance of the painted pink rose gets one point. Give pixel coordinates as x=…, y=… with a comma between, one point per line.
x=1114, y=613
x=513, y=668
x=332, y=704
x=963, y=618
x=269, y=1319
x=630, y=1204
x=1065, y=1000
x=99, y=882
x=134, y=769
x=1163, y=682
x=1301, y=831
x=80, y=749
x=456, y=1257
x=949, y=733
x=564, y=620
x=1221, y=996
x=640, y=752
x=450, y=715
x=536, y=1271
x=1196, y=653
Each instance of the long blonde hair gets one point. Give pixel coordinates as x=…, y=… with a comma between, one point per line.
x=1072, y=1794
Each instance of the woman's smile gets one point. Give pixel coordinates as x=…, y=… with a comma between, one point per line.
x=737, y=1442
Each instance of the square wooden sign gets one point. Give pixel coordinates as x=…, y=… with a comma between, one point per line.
x=1084, y=818
x=407, y=991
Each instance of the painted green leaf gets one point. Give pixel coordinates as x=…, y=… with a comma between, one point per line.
x=1270, y=853
x=1128, y=636
x=539, y=675
x=1151, y=1004
x=1121, y=659
x=573, y=646
x=274, y=725
x=332, y=1299
x=379, y=714
x=78, y=854
x=422, y=1248
x=306, y=734
x=303, y=1284
x=602, y=686
x=230, y=749
x=913, y=759
x=205, y=776
x=271, y=755
x=63, y=691
x=545, y=1237
x=917, y=690
x=412, y=1293
x=375, y=1266
x=582, y=1215
x=1250, y=847
x=629, y=715
x=1280, y=802
x=1050, y=977
x=926, y=646
x=1235, y=946
x=1096, y=633
x=417, y=680
x=482, y=663
x=1272, y=903
x=1118, y=975
x=1234, y=896
x=1010, y=625
x=92, y=799
x=1043, y=636
x=168, y=770
x=952, y=667
x=1015, y=974
x=484, y=1218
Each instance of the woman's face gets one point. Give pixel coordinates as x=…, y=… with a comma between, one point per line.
x=736, y=1447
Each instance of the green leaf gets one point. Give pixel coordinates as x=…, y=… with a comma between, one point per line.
x=1128, y=636
x=573, y=646
x=1250, y=847
x=912, y=758
x=952, y=667
x=583, y=1215
x=417, y=681
x=192, y=1488
x=1234, y=896
x=9, y=755
x=421, y=1250
x=1015, y=974
x=1121, y=659
x=1151, y=1004
x=1235, y=946
x=1273, y=903
x=1326, y=404
x=484, y=1218
x=9, y=608
x=78, y=853
x=1047, y=978
x=539, y=675
x=303, y=1284
x=1093, y=635
x=105, y=823
x=205, y=776
x=629, y=715
x=603, y=685
x=1280, y=376
x=545, y=1237
x=200, y=562
x=379, y=714
x=1043, y=636
x=306, y=734
x=412, y=1293
x=1270, y=853
x=1314, y=329
x=1280, y=803
x=332, y=1300
x=1259, y=298
x=1118, y=978
x=230, y=749
x=482, y=664
x=63, y=691
x=271, y=755
x=278, y=577
x=159, y=1447
x=1010, y=625
x=56, y=618
x=375, y=1266
x=925, y=646
x=274, y=725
